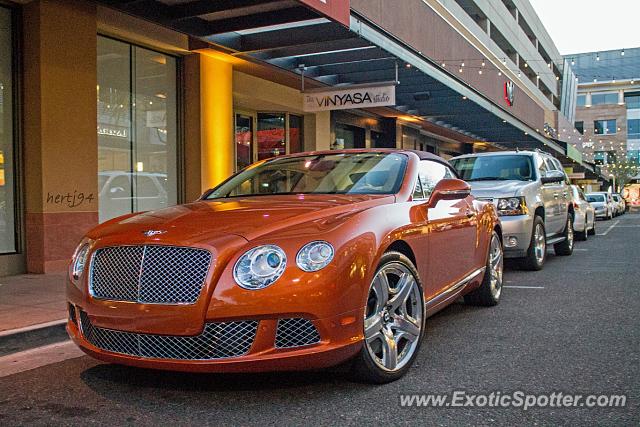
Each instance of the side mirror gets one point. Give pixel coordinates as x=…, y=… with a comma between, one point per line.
x=552, y=176
x=449, y=189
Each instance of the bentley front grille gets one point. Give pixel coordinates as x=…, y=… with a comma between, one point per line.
x=296, y=332
x=217, y=341
x=149, y=274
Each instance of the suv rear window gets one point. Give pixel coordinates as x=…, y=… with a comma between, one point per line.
x=495, y=168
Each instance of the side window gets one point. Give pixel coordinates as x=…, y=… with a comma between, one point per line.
x=550, y=165
x=542, y=168
x=430, y=174
x=417, y=191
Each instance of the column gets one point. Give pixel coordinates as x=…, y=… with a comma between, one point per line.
x=60, y=138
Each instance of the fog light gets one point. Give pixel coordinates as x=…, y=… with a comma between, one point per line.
x=511, y=241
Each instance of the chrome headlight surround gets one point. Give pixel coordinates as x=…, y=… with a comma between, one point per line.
x=80, y=258
x=315, y=256
x=511, y=206
x=259, y=267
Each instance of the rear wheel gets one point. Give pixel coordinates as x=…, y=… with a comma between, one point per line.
x=393, y=321
x=537, y=252
x=488, y=294
x=565, y=247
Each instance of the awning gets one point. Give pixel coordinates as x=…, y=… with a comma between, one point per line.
x=297, y=37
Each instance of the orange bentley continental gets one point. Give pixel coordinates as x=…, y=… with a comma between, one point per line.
x=298, y=262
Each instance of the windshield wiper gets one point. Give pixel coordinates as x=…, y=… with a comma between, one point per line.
x=490, y=178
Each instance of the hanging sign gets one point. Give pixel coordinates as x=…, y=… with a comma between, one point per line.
x=342, y=99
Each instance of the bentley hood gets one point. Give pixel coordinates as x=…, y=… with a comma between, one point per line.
x=248, y=218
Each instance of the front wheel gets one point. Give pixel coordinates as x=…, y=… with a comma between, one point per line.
x=537, y=252
x=393, y=321
x=565, y=247
x=592, y=232
x=488, y=294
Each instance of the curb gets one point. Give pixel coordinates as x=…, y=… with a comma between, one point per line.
x=21, y=339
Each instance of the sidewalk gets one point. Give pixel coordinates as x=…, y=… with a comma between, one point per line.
x=31, y=299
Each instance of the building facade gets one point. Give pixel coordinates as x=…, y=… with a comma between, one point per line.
x=109, y=108
x=608, y=110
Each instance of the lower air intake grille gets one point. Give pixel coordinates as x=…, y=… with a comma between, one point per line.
x=296, y=332
x=217, y=341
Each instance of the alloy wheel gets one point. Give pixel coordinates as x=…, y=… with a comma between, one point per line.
x=393, y=317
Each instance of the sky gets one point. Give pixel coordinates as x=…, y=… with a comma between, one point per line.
x=578, y=26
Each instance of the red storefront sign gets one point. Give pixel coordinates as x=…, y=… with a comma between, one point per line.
x=336, y=10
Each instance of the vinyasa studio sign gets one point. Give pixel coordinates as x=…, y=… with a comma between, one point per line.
x=342, y=99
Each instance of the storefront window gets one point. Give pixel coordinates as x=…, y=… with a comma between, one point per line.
x=271, y=135
x=348, y=137
x=7, y=178
x=244, y=141
x=137, y=129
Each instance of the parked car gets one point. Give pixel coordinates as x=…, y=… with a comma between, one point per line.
x=584, y=222
x=618, y=203
x=602, y=203
x=297, y=262
x=532, y=195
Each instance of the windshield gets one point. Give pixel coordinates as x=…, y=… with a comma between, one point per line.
x=595, y=198
x=495, y=168
x=341, y=173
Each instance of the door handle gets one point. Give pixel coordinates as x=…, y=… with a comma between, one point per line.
x=469, y=213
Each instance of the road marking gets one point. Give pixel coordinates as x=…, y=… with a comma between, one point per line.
x=32, y=327
x=609, y=229
x=580, y=250
x=38, y=357
x=629, y=226
x=523, y=287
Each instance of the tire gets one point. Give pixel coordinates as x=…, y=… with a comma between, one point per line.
x=536, y=256
x=592, y=232
x=488, y=294
x=565, y=248
x=373, y=364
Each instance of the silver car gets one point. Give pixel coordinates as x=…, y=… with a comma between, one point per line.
x=531, y=192
x=602, y=203
x=619, y=204
x=584, y=221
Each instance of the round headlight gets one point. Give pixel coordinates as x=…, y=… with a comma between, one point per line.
x=260, y=267
x=314, y=256
x=510, y=204
x=80, y=260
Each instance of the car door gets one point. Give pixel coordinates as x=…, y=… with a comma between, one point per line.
x=452, y=236
x=554, y=218
x=547, y=191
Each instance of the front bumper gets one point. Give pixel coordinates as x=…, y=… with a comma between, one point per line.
x=340, y=338
x=518, y=227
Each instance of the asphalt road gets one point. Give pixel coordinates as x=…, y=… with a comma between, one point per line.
x=571, y=328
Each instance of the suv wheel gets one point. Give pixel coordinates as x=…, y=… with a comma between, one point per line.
x=565, y=247
x=537, y=252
